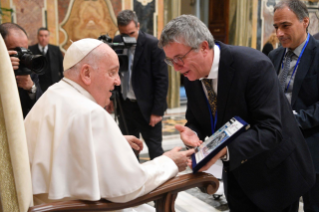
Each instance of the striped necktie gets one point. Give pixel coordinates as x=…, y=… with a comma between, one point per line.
x=212, y=97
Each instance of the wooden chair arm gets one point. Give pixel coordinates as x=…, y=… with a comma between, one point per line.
x=164, y=196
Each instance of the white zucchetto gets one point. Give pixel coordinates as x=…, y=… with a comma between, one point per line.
x=78, y=50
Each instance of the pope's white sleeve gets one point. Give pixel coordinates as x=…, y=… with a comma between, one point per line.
x=158, y=171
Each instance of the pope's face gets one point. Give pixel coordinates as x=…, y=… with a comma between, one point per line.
x=105, y=78
x=290, y=31
x=191, y=64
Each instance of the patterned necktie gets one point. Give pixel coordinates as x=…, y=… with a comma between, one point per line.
x=42, y=50
x=284, y=74
x=212, y=97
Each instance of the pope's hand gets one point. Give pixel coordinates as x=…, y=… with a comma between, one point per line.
x=134, y=142
x=188, y=136
x=180, y=158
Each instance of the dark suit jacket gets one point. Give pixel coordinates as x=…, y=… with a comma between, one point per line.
x=270, y=161
x=305, y=94
x=55, y=63
x=149, y=76
x=26, y=102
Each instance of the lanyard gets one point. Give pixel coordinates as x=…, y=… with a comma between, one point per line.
x=213, y=122
x=282, y=64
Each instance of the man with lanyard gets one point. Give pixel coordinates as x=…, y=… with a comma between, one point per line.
x=266, y=168
x=297, y=66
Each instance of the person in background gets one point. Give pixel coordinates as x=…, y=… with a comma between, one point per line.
x=316, y=36
x=297, y=65
x=144, y=85
x=271, y=44
x=28, y=85
x=54, y=57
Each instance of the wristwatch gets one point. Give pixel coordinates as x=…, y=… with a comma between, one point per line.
x=33, y=89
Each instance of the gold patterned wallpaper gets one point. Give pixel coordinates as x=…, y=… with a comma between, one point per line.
x=71, y=20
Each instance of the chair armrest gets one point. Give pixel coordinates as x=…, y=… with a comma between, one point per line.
x=164, y=196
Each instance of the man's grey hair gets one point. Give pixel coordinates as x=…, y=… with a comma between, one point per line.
x=296, y=6
x=187, y=30
x=125, y=17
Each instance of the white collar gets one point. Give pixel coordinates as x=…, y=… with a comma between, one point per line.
x=45, y=48
x=79, y=88
x=213, y=73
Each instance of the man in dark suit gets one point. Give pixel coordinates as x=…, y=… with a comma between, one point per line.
x=300, y=82
x=267, y=167
x=54, y=69
x=28, y=85
x=144, y=86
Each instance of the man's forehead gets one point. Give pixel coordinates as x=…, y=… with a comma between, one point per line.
x=15, y=39
x=175, y=48
x=277, y=23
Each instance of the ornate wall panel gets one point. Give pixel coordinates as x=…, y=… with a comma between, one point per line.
x=88, y=19
x=29, y=15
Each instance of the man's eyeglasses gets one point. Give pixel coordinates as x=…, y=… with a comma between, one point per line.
x=177, y=60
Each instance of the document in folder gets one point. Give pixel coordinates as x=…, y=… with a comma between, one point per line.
x=216, y=142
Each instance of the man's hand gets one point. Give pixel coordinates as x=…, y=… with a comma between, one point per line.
x=188, y=136
x=25, y=82
x=110, y=107
x=154, y=120
x=134, y=142
x=214, y=159
x=180, y=158
x=14, y=60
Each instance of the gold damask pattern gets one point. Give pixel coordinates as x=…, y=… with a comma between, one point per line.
x=88, y=19
x=7, y=187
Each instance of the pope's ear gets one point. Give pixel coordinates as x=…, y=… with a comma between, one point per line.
x=86, y=74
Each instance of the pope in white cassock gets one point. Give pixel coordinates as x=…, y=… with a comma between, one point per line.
x=76, y=149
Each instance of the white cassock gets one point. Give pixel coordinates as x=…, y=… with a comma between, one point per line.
x=77, y=151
